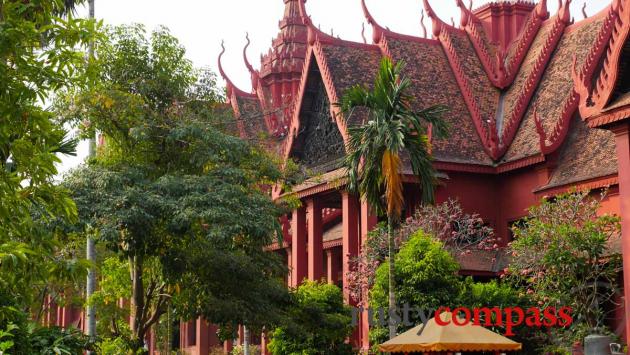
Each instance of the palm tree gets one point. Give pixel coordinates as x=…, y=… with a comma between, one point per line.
x=374, y=149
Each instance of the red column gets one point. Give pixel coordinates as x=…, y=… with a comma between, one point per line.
x=263, y=343
x=350, y=238
x=622, y=139
x=203, y=346
x=227, y=346
x=315, y=242
x=368, y=222
x=332, y=266
x=298, y=247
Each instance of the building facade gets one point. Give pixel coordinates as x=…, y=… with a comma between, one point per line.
x=539, y=104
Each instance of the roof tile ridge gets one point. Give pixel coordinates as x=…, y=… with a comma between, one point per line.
x=533, y=80
x=488, y=135
x=611, y=38
x=494, y=67
x=525, y=40
x=560, y=129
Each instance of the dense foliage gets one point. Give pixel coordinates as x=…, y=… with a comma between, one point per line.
x=460, y=233
x=375, y=148
x=564, y=255
x=318, y=323
x=171, y=193
x=40, y=54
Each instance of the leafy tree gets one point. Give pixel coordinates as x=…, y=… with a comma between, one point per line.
x=426, y=277
x=562, y=256
x=41, y=53
x=374, y=149
x=179, y=201
x=459, y=232
x=318, y=323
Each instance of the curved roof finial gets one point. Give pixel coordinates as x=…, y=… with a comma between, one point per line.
x=229, y=84
x=219, y=62
x=363, y=32
x=584, y=10
x=541, y=9
x=564, y=11
x=436, y=23
x=377, y=30
x=424, y=28
x=247, y=64
x=465, y=14
x=470, y=5
x=314, y=33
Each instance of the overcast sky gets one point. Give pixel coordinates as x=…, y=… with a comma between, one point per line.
x=200, y=25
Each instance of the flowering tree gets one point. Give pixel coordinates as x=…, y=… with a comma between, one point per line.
x=459, y=232
x=562, y=256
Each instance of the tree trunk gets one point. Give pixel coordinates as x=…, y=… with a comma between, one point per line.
x=392, y=283
x=137, y=302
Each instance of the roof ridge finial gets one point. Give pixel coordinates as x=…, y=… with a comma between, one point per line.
x=377, y=30
x=363, y=32
x=247, y=63
x=470, y=5
x=541, y=9
x=564, y=11
x=436, y=23
x=466, y=14
x=424, y=28
x=584, y=10
x=314, y=33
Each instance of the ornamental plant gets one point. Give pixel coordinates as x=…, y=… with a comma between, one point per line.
x=460, y=233
x=563, y=255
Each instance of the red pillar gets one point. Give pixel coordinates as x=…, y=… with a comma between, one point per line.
x=622, y=140
x=315, y=242
x=298, y=247
x=227, y=346
x=368, y=222
x=203, y=346
x=332, y=266
x=263, y=343
x=350, y=238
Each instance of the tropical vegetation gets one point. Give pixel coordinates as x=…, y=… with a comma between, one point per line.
x=375, y=148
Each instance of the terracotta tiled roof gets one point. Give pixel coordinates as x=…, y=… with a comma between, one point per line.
x=554, y=88
x=586, y=154
x=485, y=94
x=432, y=83
x=351, y=65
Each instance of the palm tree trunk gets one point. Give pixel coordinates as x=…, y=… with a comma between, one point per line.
x=392, y=284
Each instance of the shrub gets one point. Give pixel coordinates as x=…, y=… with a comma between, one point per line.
x=318, y=322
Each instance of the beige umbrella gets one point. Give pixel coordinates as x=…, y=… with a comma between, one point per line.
x=451, y=337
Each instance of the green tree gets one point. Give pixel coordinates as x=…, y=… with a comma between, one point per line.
x=182, y=203
x=562, y=255
x=375, y=148
x=319, y=323
x=41, y=53
x=426, y=277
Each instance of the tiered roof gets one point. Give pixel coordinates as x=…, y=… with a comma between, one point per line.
x=522, y=84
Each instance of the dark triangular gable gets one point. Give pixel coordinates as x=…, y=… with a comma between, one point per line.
x=319, y=145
